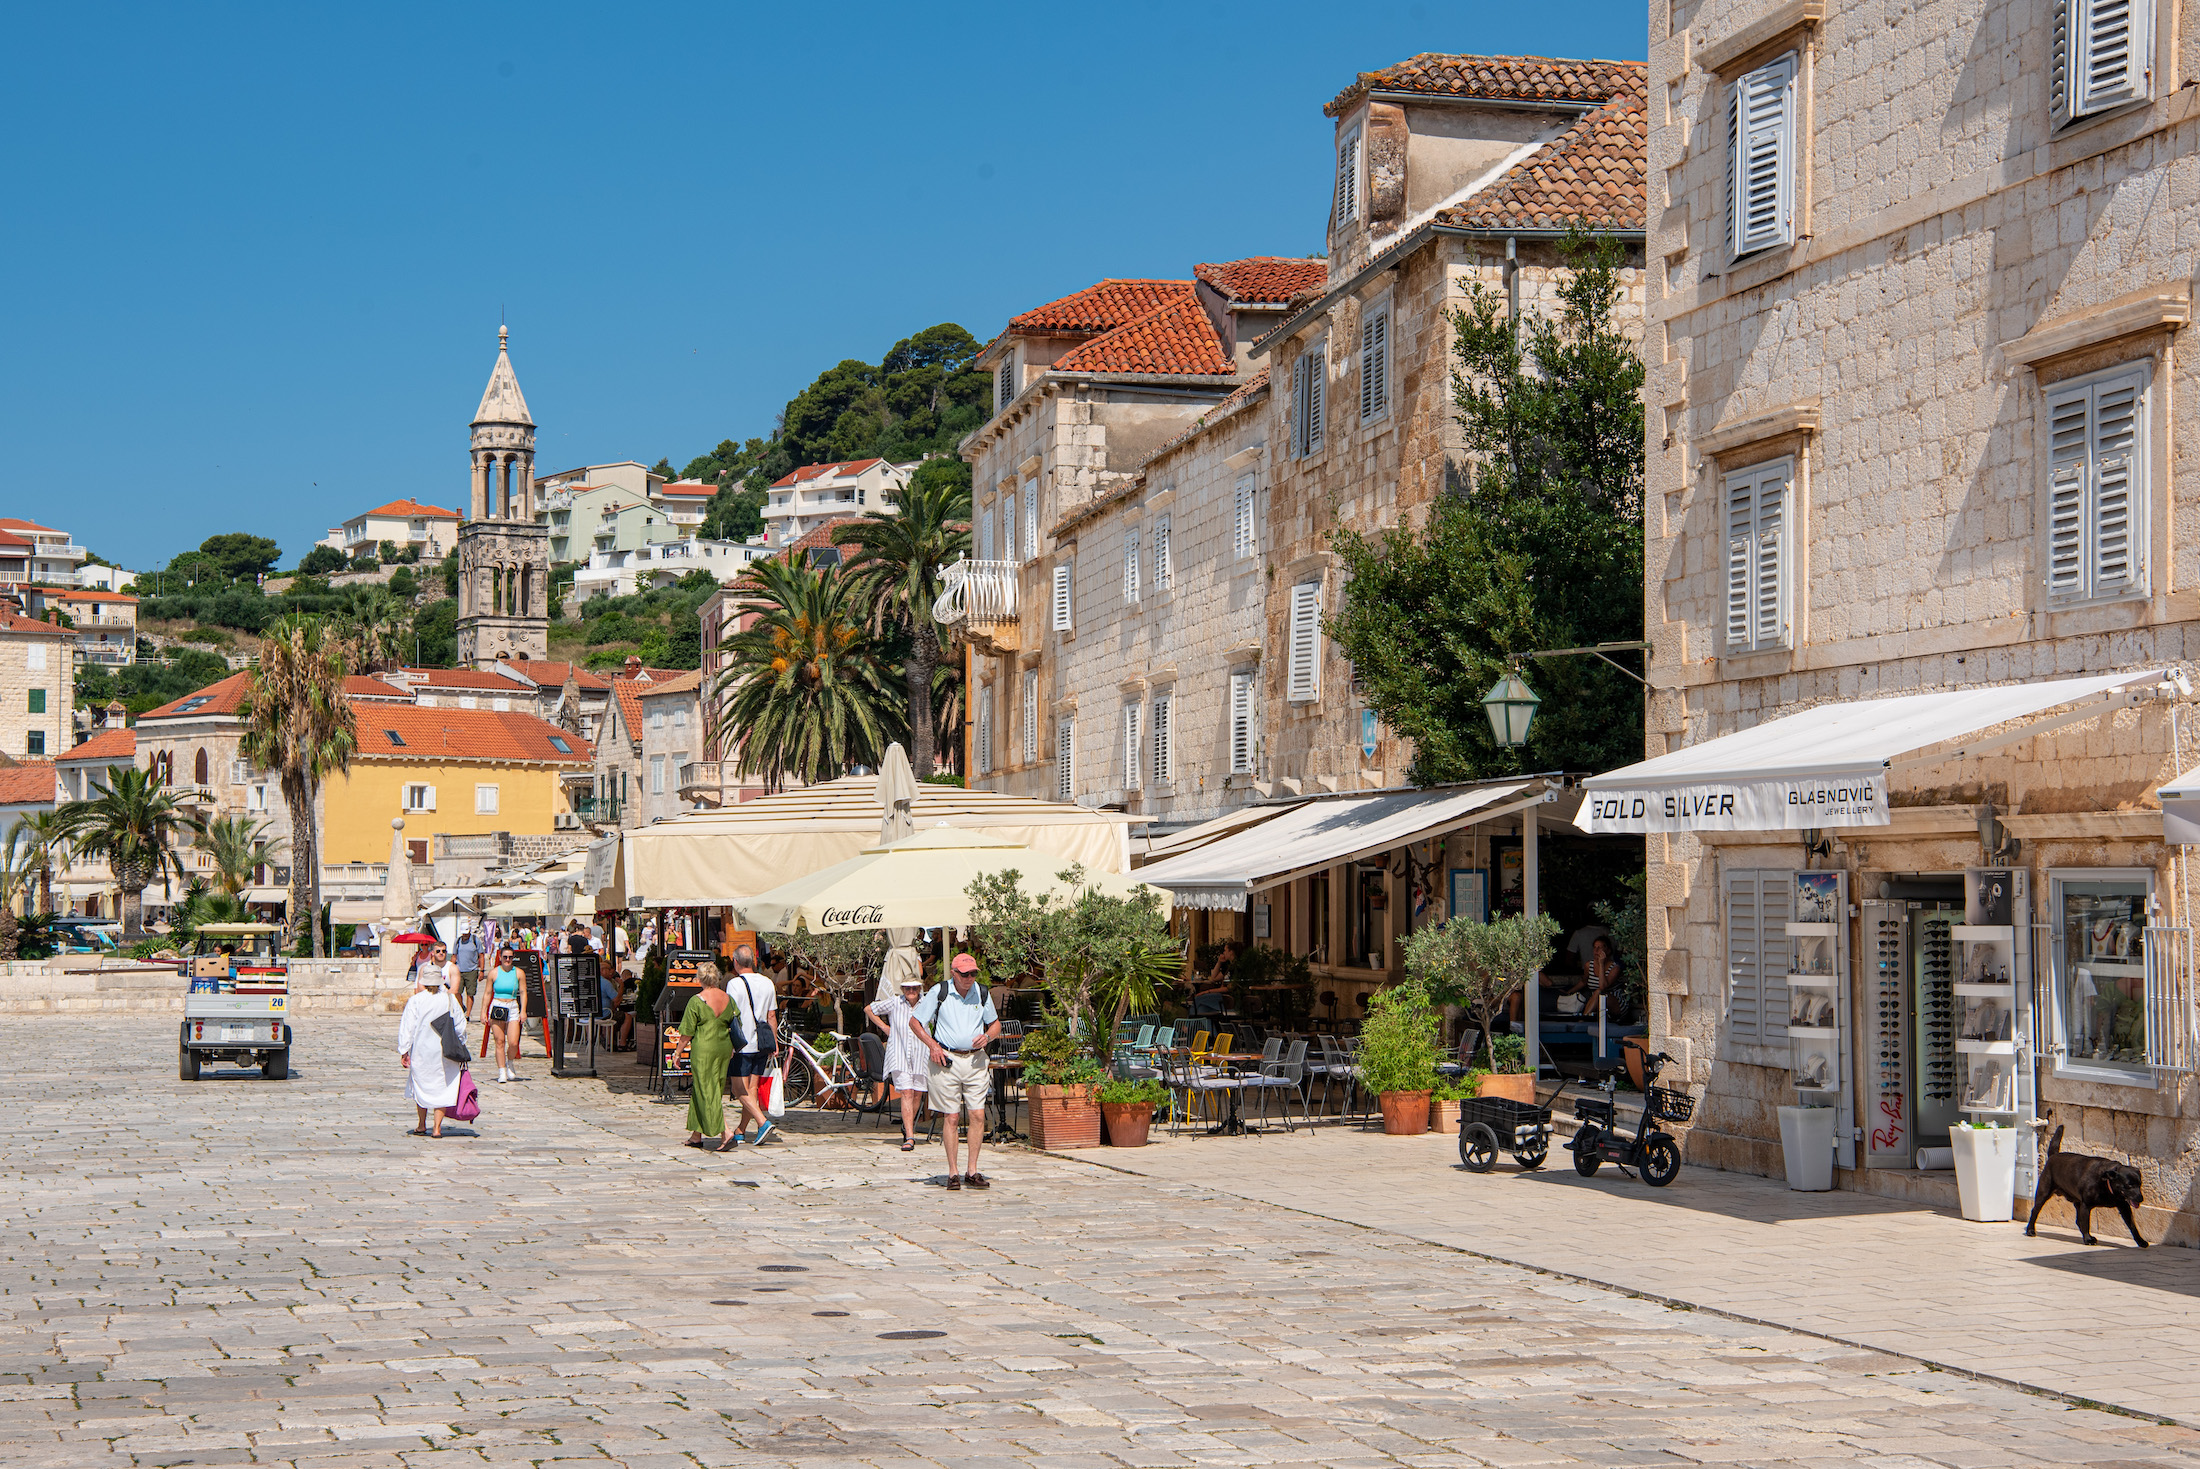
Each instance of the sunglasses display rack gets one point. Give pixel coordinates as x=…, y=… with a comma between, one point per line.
x=1936, y=1007
x=1886, y=1083
x=1985, y=995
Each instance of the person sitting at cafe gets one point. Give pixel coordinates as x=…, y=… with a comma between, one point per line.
x=1212, y=996
x=1572, y=996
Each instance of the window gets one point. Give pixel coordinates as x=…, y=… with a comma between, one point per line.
x=656, y=719
x=656, y=775
x=1061, y=598
x=240, y=771
x=395, y=738
x=1348, y=176
x=34, y=743
x=1307, y=382
x=468, y=701
x=2097, y=486
x=985, y=730
x=1134, y=746
x=1757, y=553
x=1008, y=526
x=417, y=852
x=1065, y=748
x=1375, y=363
x=2104, y=57
x=501, y=706
x=255, y=798
x=1243, y=541
x=1031, y=716
x=1306, y=642
x=420, y=798
x=2104, y=961
x=985, y=535
x=1757, y=905
x=1031, y=519
x=35, y=661
x=1241, y=723
x=38, y=701
x=557, y=743
x=485, y=800
x=1761, y=159
x=202, y=769
x=1164, y=754
x=1164, y=566
x=1130, y=565
x=680, y=718
x=1004, y=382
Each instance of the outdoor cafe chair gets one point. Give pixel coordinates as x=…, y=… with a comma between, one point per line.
x=1175, y=1076
x=1221, y=1047
x=1270, y=1051
x=1283, y=1080
x=1197, y=1046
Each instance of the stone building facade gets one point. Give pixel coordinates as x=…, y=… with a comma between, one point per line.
x=503, y=550
x=1916, y=426
x=37, y=687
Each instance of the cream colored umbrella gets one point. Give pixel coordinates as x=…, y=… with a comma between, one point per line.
x=920, y=882
x=897, y=794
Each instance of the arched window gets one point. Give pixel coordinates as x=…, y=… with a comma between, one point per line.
x=198, y=769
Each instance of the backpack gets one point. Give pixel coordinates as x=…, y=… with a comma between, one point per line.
x=938, y=997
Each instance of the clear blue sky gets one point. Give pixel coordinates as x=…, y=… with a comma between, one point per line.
x=254, y=256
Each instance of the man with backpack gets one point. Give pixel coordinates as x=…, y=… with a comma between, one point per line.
x=955, y=1022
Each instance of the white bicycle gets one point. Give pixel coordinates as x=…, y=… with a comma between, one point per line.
x=810, y=1075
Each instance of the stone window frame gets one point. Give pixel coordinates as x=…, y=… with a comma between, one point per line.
x=1793, y=26
x=2154, y=60
x=1789, y=430
x=2142, y=492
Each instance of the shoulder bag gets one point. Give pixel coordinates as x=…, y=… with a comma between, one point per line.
x=767, y=1033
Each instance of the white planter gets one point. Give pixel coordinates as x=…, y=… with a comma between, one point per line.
x=1806, y=1144
x=1986, y=1172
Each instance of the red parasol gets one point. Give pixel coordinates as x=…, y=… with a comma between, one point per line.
x=412, y=938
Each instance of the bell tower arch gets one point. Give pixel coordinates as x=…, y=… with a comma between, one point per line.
x=503, y=549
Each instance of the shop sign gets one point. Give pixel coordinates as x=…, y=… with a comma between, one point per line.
x=1741, y=805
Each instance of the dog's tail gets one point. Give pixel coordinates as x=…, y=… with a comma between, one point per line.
x=2054, y=1144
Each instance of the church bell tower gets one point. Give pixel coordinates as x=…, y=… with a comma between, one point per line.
x=503, y=551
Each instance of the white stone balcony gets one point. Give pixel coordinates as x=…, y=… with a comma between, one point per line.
x=978, y=594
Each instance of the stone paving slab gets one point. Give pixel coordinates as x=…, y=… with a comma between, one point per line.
x=238, y=1271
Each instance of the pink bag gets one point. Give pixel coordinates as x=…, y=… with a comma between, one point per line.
x=469, y=1099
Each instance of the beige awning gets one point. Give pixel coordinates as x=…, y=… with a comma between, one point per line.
x=1192, y=838
x=713, y=858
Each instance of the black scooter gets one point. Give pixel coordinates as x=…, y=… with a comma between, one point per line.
x=1654, y=1151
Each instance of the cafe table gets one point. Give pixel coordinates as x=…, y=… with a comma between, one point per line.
x=1234, y=1124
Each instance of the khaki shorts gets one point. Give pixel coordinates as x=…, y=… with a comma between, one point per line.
x=961, y=1084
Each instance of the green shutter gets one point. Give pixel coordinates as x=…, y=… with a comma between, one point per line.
x=38, y=701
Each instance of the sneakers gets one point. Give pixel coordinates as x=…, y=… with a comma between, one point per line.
x=761, y=1133
x=504, y=1074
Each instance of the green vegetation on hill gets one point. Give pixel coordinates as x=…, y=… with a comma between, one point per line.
x=143, y=686
x=664, y=628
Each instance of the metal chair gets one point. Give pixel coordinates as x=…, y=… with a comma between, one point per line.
x=1284, y=1079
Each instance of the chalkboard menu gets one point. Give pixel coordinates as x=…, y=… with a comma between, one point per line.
x=578, y=980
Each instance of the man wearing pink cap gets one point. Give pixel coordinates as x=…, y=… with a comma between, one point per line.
x=955, y=1023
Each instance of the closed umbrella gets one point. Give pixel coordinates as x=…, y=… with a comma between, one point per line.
x=897, y=794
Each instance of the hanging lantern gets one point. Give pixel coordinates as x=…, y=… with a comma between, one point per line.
x=1511, y=705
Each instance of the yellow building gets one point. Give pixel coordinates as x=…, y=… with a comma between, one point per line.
x=448, y=772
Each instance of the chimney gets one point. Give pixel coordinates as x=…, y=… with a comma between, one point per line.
x=633, y=667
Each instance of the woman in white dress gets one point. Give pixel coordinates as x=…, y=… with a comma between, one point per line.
x=907, y=1066
x=431, y=1080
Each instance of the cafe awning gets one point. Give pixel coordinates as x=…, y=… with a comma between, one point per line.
x=1192, y=838
x=1325, y=831
x=1830, y=766
x=2181, y=809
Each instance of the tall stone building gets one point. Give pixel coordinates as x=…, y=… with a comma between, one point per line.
x=503, y=552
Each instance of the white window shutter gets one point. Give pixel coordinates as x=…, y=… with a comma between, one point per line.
x=1761, y=159
x=1741, y=525
x=2116, y=551
x=1031, y=717
x=1306, y=632
x=1008, y=527
x=1004, y=384
x=1742, y=961
x=1061, y=598
x=2113, y=54
x=1771, y=584
x=2069, y=419
x=1164, y=573
x=985, y=730
x=1065, y=750
x=985, y=535
x=2096, y=489
x=1241, y=723
x=1162, y=763
x=1375, y=364
x=1317, y=375
x=2059, y=66
x=1130, y=566
x=1758, y=556
x=1244, y=539
x=431, y=798
x=1348, y=177
x=1134, y=747
x=1031, y=519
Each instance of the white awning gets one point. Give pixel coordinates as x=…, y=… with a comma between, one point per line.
x=1829, y=766
x=1225, y=874
x=1191, y=838
x=2181, y=809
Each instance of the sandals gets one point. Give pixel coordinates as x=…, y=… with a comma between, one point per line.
x=726, y=1144
x=416, y=1132
x=909, y=1145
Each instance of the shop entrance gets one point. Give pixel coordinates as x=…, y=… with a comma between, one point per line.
x=1911, y=1079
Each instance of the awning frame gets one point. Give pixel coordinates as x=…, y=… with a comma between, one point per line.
x=1547, y=796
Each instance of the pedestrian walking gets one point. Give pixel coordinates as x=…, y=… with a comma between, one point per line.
x=431, y=1077
x=955, y=1022
x=758, y=1000
x=708, y=1048
x=506, y=1010
x=906, y=1068
x=467, y=957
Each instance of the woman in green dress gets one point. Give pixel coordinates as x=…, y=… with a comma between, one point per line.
x=708, y=1049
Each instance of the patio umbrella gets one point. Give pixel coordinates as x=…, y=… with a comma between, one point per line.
x=897, y=794
x=916, y=883
x=412, y=938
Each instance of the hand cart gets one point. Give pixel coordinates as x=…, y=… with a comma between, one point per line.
x=1488, y=1125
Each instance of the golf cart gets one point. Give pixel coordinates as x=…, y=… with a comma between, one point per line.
x=238, y=1007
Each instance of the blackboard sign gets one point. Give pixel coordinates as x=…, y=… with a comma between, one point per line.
x=578, y=981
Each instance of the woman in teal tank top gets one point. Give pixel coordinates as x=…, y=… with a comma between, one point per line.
x=507, y=1008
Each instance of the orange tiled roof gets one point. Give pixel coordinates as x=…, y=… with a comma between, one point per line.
x=1593, y=176
x=30, y=783
x=552, y=675
x=430, y=735
x=11, y=621
x=463, y=678
x=113, y=745
x=1099, y=308
x=1264, y=278
x=1175, y=338
x=629, y=693
x=362, y=686
x=408, y=508
x=690, y=489
x=1137, y=483
x=809, y=472
x=10, y=538
x=86, y=594
x=225, y=697
x=1496, y=78
x=817, y=538
x=11, y=522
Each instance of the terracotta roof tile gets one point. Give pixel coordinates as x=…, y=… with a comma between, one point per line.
x=552, y=675
x=1099, y=308
x=463, y=678
x=834, y=470
x=818, y=538
x=1137, y=483
x=1592, y=176
x=85, y=594
x=409, y=508
x=1175, y=338
x=430, y=735
x=225, y=697
x=689, y=489
x=115, y=745
x=1496, y=78
x=361, y=686
x=1264, y=279
x=11, y=540
x=11, y=621
x=11, y=522
x=687, y=682
x=30, y=783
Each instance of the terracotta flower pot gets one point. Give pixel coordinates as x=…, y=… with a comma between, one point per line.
x=1404, y=1113
x=1517, y=1085
x=1128, y=1123
x=1064, y=1117
x=1443, y=1116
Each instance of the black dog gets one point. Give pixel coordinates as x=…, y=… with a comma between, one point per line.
x=2089, y=1184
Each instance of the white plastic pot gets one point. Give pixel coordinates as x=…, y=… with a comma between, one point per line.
x=1806, y=1143
x=1986, y=1172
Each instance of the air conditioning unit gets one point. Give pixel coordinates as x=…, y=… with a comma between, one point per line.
x=566, y=821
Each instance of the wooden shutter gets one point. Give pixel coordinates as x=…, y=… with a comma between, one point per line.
x=1031, y=717
x=2107, y=53
x=1008, y=527
x=1162, y=763
x=1130, y=566
x=1241, y=723
x=1134, y=746
x=2096, y=487
x=1306, y=635
x=1375, y=365
x=1348, y=178
x=985, y=730
x=1004, y=384
x=1241, y=537
x=1031, y=519
x=1163, y=571
x=1061, y=598
x=1757, y=556
x=1065, y=748
x=1761, y=159
x=1758, y=904
x=1316, y=377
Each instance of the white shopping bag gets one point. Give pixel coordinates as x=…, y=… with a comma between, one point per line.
x=775, y=1101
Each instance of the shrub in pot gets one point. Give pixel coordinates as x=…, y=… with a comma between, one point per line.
x=1482, y=966
x=1127, y=1108
x=1398, y=1055
x=1061, y=1083
x=1443, y=1105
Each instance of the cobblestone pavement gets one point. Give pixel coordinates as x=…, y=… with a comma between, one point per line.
x=240, y=1271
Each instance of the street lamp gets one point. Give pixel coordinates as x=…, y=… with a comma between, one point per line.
x=1511, y=706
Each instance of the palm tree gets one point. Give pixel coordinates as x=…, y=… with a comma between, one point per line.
x=373, y=631
x=802, y=693
x=239, y=844
x=298, y=724
x=47, y=837
x=135, y=825
x=16, y=869
x=898, y=561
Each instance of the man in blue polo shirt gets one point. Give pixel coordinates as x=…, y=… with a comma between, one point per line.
x=954, y=1023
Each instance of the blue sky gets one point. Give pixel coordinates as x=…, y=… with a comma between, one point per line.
x=255, y=256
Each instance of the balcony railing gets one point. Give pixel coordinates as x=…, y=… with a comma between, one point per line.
x=705, y=780
x=978, y=594
x=114, y=653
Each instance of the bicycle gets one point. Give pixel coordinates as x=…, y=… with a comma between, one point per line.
x=807, y=1074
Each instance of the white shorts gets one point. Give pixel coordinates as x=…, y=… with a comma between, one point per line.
x=909, y=1081
x=961, y=1085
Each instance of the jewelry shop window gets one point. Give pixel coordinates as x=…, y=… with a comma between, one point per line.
x=2100, y=975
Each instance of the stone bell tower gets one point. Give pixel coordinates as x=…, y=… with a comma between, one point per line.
x=503, y=551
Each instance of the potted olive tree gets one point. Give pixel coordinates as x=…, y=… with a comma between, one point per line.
x=1398, y=1055
x=1482, y=966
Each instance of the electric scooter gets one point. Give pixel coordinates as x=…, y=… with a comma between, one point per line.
x=1653, y=1150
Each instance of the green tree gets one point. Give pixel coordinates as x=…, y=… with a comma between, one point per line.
x=135, y=825
x=298, y=724
x=44, y=835
x=898, y=562
x=322, y=560
x=241, y=555
x=802, y=694
x=238, y=844
x=1543, y=548
x=1101, y=956
x=1480, y=965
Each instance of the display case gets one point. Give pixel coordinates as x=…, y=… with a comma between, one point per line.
x=1817, y=990
x=1984, y=995
x=2102, y=949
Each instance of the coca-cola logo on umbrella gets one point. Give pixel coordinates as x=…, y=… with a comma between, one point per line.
x=866, y=915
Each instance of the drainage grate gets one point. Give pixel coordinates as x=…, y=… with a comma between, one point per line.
x=784, y=1269
x=729, y=1303
x=909, y=1335
x=828, y=1313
